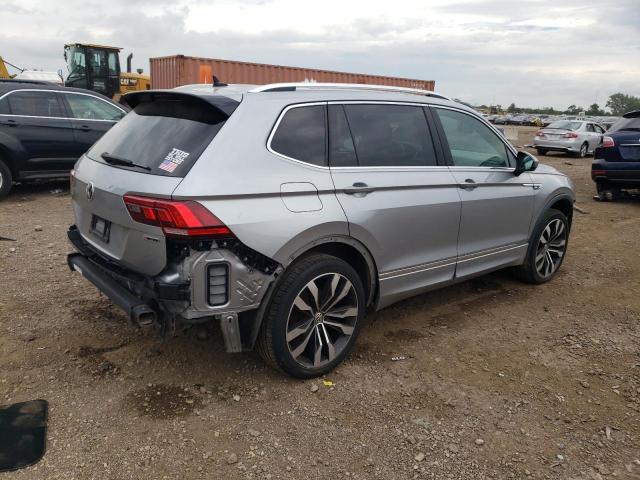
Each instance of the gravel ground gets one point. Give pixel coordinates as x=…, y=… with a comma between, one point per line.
x=486, y=379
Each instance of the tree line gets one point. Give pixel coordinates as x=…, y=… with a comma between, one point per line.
x=617, y=104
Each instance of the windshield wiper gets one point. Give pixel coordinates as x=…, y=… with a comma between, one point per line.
x=115, y=160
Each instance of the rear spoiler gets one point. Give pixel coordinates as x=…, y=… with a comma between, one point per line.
x=224, y=105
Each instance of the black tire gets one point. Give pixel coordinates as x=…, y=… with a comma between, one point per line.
x=528, y=271
x=607, y=193
x=6, y=179
x=542, y=151
x=272, y=343
x=584, y=149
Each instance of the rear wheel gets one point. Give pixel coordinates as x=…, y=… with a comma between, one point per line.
x=313, y=318
x=5, y=179
x=606, y=192
x=584, y=148
x=547, y=248
x=542, y=151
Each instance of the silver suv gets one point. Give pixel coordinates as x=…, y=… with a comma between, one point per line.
x=285, y=212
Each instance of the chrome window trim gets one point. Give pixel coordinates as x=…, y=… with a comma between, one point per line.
x=60, y=92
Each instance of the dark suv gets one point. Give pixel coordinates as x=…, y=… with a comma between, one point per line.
x=45, y=128
x=616, y=164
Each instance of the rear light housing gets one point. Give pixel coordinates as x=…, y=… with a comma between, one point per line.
x=539, y=133
x=598, y=172
x=570, y=135
x=607, y=142
x=177, y=218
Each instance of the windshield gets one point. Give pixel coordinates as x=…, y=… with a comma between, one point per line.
x=76, y=62
x=165, y=136
x=565, y=125
x=632, y=123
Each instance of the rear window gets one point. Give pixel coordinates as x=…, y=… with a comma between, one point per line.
x=565, y=125
x=167, y=135
x=630, y=124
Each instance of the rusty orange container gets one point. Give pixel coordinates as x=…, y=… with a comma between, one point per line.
x=170, y=72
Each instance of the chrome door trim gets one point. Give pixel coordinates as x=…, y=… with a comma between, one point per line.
x=492, y=251
x=401, y=272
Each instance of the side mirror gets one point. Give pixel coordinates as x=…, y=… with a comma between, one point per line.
x=525, y=162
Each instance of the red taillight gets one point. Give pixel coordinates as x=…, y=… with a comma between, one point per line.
x=608, y=142
x=72, y=179
x=178, y=219
x=570, y=135
x=539, y=133
x=598, y=172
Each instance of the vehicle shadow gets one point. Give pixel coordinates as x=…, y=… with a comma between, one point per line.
x=20, y=191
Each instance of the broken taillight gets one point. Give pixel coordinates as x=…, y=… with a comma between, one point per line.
x=177, y=218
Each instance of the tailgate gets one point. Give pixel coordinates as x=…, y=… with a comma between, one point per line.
x=105, y=223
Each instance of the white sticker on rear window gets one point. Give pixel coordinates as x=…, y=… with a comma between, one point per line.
x=173, y=159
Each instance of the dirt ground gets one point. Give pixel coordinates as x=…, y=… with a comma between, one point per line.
x=496, y=379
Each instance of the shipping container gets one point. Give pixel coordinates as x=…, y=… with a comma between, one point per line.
x=177, y=70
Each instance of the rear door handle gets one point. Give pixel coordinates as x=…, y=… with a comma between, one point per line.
x=469, y=184
x=358, y=188
x=12, y=123
x=84, y=128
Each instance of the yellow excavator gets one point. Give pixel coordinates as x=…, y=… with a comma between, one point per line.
x=97, y=68
x=4, y=73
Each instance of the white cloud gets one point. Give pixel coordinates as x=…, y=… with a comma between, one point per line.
x=532, y=52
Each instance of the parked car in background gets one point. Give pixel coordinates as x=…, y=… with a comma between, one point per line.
x=45, y=128
x=616, y=164
x=575, y=137
x=285, y=212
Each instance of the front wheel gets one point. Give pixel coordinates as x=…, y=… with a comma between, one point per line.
x=5, y=179
x=313, y=318
x=542, y=151
x=547, y=248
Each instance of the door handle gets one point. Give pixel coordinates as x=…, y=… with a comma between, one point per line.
x=358, y=188
x=12, y=123
x=84, y=128
x=469, y=184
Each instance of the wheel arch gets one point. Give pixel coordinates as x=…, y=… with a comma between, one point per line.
x=344, y=247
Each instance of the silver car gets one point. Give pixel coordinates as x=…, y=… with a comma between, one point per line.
x=286, y=212
x=577, y=137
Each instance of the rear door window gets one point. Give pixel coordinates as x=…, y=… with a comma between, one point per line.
x=301, y=135
x=471, y=142
x=166, y=135
x=87, y=107
x=34, y=104
x=390, y=135
x=4, y=107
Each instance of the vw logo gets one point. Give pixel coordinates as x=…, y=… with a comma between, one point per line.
x=89, y=191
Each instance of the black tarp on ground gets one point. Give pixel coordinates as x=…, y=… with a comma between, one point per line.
x=23, y=434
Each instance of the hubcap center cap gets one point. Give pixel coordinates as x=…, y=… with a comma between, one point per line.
x=318, y=317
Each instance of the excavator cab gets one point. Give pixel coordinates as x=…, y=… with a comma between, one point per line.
x=93, y=67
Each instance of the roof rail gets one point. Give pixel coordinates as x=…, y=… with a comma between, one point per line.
x=290, y=87
x=19, y=80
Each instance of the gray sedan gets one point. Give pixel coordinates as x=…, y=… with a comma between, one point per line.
x=577, y=137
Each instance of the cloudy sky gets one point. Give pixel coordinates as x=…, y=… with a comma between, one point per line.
x=531, y=52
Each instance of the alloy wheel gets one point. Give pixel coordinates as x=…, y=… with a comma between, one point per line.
x=551, y=248
x=583, y=150
x=322, y=320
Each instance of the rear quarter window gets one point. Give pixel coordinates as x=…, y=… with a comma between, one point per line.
x=301, y=135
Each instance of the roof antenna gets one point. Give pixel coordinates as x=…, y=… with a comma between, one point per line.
x=218, y=83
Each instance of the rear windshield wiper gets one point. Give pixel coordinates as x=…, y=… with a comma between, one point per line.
x=115, y=160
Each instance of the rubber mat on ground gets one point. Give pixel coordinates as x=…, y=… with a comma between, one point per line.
x=23, y=434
